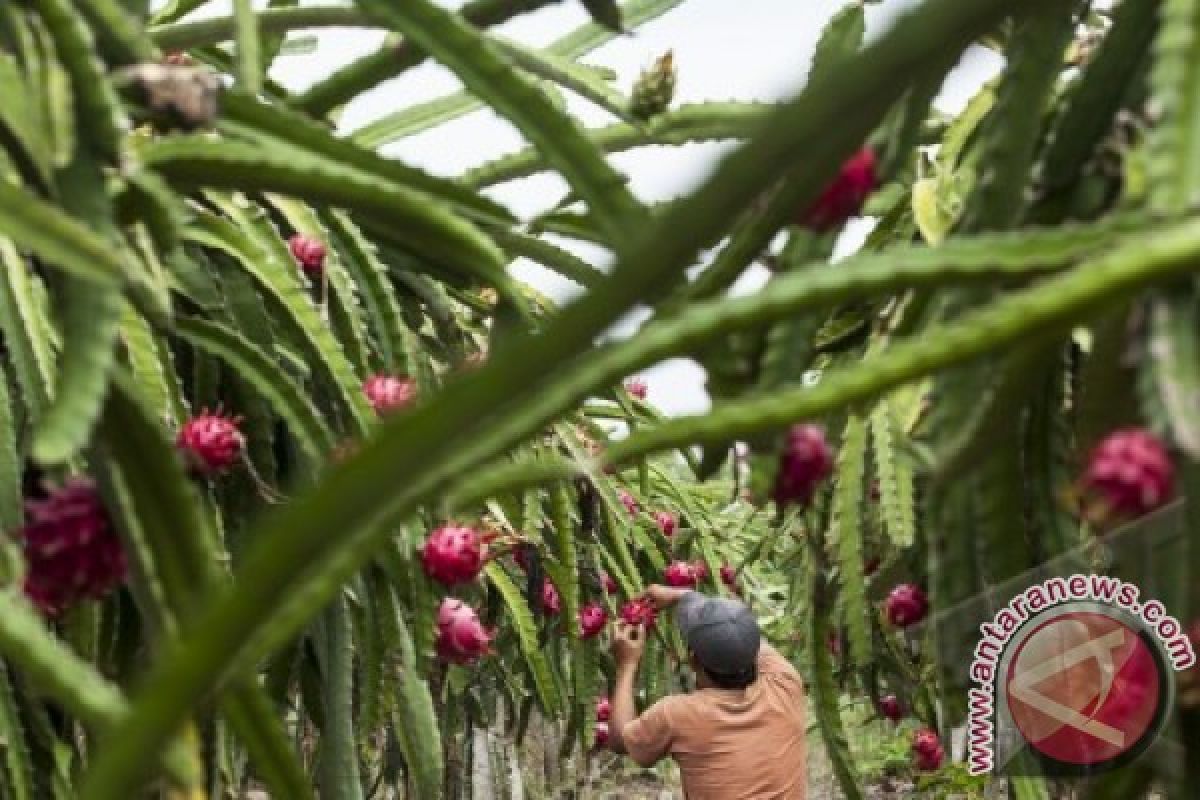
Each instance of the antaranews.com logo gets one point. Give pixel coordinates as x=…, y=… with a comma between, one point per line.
x=1074, y=676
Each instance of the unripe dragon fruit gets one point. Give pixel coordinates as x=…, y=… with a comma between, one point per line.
x=210, y=443
x=453, y=554
x=906, y=605
x=729, y=576
x=309, y=254
x=639, y=611
x=387, y=393
x=636, y=388
x=666, y=523
x=680, y=573
x=461, y=637
x=805, y=462
x=592, y=619
x=601, y=734
x=71, y=551
x=891, y=707
x=630, y=502
x=603, y=709
x=927, y=750
x=1129, y=473
x=608, y=583
x=844, y=197
x=551, y=603
x=654, y=89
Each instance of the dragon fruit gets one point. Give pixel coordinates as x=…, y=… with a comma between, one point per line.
x=927, y=750
x=630, y=502
x=551, y=603
x=387, y=393
x=461, y=637
x=666, y=523
x=210, y=443
x=906, y=605
x=453, y=554
x=639, y=611
x=729, y=576
x=1129, y=473
x=71, y=550
x=636, y=388
x=603, y=709
x=680, y=573
x=844, y=197
x=806, y=462
x=700, y=569
x=891, y=707
x=601, y=734
x=592, y=619
x=309, y=254
x=608, y=583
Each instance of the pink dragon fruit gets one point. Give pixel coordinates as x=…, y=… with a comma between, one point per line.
x=666, y=523
x=309, y=254
x=453, y=554
x=210, y=443
x=700, y=569
x=806, y=462
x=387, y=393
x=461, y=637
x=728, y=576
x=608, y=583
x=601, y=734
x=629, y=501
x=636, y=388
x=592, y=619
x=603, y=709
x=927, y=750
x=551, y=603
x=891, y=707
x=71, y=550
x=1129, y=473
x=906, y=605
x=844, y=197
x=679, y=573
x=639, y=611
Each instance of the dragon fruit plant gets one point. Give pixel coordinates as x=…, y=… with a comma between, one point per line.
x=266, y=596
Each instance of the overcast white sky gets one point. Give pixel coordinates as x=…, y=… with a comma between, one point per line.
x=746, y=50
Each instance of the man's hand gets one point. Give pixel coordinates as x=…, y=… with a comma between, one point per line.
x=664, y=596
x=628, y=643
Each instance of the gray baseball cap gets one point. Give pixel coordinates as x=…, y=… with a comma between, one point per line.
x=723, y=633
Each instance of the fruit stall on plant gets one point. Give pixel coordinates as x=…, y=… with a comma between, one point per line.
x=305, y=490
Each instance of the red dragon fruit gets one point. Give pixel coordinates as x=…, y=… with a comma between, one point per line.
x=636, y=388
x=700, y=569
x=309, y=254
x=844, y=197
x=906, y=605
x=551, y=603
x=804, y=464
x=453, y=554
x=603, y=709
x=601, y=734
x=461, y=637
x=592, y=619
x=666, y=523
x=680, y=573
x=891, y=707
x=729, y=576
x=630, y=502
x=927, y=750
x=639, y=611
x=211, y=443
x=71, y=550
x=608, y=583
x=387, y=393
x=1129, y=473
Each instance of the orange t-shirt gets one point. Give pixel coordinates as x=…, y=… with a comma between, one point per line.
x=731, y=744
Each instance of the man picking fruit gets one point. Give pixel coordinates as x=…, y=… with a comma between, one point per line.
x=741, y=734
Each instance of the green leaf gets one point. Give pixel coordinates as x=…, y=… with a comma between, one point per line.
x=11, y=513
x=20, y=782
x=253, y=718
x=1174, y=145
x=481, y=67
x=338, y=773
x=897, y=493
x=824, y=694
x=522, y=621
x=91, y=320
x=57, y=238
x=249, y=57
x=1174, y=348
x=415, y=721
x=605, y=13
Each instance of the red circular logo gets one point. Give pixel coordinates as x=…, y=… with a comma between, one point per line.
x=1084, y=688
